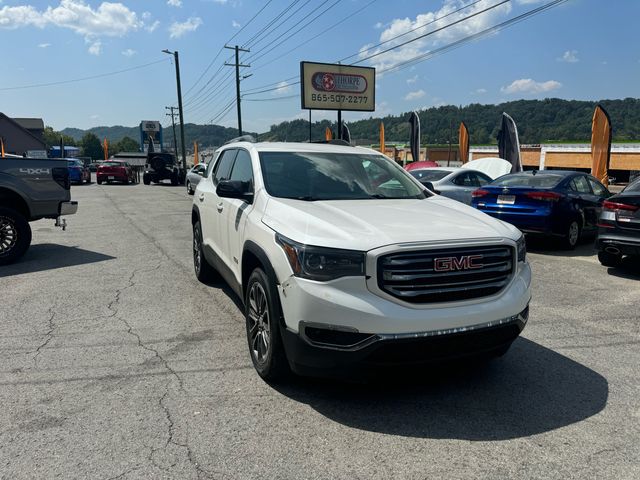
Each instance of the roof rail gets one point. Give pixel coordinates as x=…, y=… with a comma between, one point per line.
x=335, y=141
x=243, y=138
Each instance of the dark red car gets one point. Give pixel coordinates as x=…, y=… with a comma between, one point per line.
x=115, y=171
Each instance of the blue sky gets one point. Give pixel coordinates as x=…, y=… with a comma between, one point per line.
x=581, y=49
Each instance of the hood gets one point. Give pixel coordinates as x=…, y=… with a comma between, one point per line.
x=368, y=224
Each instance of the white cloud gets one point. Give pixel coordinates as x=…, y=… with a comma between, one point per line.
x=44, y=45
x=235, y=24
x=95, y=48
x=435, y=21
x=152, y=26
x=283, y=87
x=378, y=25
x=94, y=116
x=529, y=86
x=481, y=91
x=415, y=95
x=570, y=56
x=413, y=79
x=174, y=3
x=129, y=52
x=178, y=29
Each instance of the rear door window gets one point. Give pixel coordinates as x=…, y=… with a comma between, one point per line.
x=598, y=188
x=580, y=185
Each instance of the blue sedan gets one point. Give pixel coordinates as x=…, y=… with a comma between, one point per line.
x=565, y=204
x=78, y=172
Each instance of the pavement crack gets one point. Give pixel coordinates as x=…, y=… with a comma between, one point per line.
x=49, y=336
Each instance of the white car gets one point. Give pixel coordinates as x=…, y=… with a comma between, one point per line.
x=194, y=176
x=343, y=260
x=455, y=183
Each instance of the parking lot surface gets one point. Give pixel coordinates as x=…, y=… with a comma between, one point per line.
x=117, y=363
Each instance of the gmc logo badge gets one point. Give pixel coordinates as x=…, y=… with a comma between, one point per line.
x=449, y=264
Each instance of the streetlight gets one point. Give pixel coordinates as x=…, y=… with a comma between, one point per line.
x=183, y=149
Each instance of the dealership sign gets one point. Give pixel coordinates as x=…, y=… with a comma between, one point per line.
x=327, y=86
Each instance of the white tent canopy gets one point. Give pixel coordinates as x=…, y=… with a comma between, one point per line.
x=493, y=166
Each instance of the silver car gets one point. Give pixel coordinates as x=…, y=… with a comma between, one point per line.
x=194, y=176
x=456, y=183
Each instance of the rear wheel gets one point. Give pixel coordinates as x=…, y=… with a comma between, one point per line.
x=572, y=235
x=15, y=235
x=146, y=180
x=262, y=313
x=99, y=182
x=609, y=259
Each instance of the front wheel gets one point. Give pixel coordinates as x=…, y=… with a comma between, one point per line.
x=189, y=188
x=204, y=271
x=262, y=313
x=15, y=235
x=609, y=259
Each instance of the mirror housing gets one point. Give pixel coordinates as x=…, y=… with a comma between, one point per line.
x=430, y=186
x=235, y=189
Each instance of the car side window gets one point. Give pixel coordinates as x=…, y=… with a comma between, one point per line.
x=482, y=179
x=464, y=180
x=580, y=184
x=211, y=165
x=223, y=165
x=242, y=168
x=598, y=188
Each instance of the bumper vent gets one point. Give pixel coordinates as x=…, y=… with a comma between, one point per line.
x=446, y=275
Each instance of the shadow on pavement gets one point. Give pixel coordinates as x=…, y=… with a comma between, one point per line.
x=530, y=390
x=552, y=246
x=630, y=268
x=49, y=256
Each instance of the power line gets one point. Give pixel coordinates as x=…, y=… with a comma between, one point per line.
x=81, y=79
x=271, y=99
x=266, y=27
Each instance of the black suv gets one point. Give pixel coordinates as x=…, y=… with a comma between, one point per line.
x=163, y=166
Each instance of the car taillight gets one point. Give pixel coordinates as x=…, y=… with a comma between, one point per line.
x=479, y=193
x=545, y=196
x=619, y=206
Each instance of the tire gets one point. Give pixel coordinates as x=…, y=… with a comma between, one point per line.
x=15, y=235
x=146, y=180
x=99, y=182
x=572, y=235
x=262, y=313
x=189, y=189
x=126, y=181
x=609, y=259
x=203, y=270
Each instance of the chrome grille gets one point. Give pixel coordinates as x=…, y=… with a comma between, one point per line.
x=413, y=276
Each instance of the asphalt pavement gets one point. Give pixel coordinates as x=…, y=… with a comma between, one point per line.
x=117, y=363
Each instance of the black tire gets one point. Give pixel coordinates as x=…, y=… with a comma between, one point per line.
x=99, y=182
x=263, y=328
x=146, y=180
x=15, y=235
x=572, y=235
x=189, y=189
x=126, y=181
x=174, y=178
x=203, y=270
x=609, y=259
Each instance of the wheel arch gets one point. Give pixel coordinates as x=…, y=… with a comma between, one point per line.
x=254, y=256
x=14, y=200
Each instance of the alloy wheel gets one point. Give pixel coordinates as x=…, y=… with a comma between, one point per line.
x=574, y=232
x=259, y=324
x=197, y=250
x=8, y=234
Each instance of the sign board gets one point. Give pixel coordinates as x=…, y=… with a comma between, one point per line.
x=150, y=126
x=328, y=86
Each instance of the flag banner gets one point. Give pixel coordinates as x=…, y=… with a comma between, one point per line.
x=327, y=134
x=463, y=143
x=105, y=147
x=600, y=144
x=196, y=160
x=414, y=120
x=382, y=146
x=346, y=134
x=508, y=143
x=2, y=145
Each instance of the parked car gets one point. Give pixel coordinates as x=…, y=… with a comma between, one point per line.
x=93, y=166
x=338, y=272
x=619, y=226
x=455, y=183
x=163, y=166
x=115, y=171
x=78, y=172
x=566, y=204
x=421, y=164
x=194, y=176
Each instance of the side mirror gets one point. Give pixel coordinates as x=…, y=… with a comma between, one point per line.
x=430, y=186
x=235, y=189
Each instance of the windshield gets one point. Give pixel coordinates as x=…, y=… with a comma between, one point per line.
x=520, y=180
x=430, y=174
x=334, y=176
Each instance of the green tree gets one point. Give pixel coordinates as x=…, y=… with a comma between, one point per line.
x=127, y=144
x=52, y=138
x=91, y=146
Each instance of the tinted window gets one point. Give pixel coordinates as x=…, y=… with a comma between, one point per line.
x=598, y=188
x=482, y=179
x=242, y=169
x=467, y=179
x=542, y=180
x=633, y=186
x=223, y=165
x=334, y=176
x=211, y=164
x=429, y=175
x=580, y=184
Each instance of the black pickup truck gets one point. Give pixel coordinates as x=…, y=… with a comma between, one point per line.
x=30, y=189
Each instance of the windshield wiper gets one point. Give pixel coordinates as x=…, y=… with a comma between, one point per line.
x=306, y=198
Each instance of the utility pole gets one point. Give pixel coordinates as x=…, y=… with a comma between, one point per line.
x=237, y=65
x=173, y=125
x=184, y=151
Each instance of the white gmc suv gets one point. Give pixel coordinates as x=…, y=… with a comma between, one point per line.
x=345, y=261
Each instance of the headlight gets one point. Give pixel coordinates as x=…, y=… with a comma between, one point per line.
x=319, y=263
x=521, y=247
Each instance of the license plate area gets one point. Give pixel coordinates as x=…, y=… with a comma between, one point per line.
x=111, y=177
x=506, y=199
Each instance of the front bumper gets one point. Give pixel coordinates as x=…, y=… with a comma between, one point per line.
x=68, y=208
x=408, y=350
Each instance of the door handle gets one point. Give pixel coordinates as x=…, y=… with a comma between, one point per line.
x=201, y=197
x=219, y=207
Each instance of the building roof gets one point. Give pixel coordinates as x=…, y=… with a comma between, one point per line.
x=28, y=132
x=30, y=123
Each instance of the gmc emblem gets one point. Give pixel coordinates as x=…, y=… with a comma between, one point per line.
x=449, y=264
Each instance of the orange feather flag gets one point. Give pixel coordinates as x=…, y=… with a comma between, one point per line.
x=382, y=146
x=2, y=144
x=195, y=153
x=463, y=143
x=105, y=147
x=600, y=145
x=327, y=134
